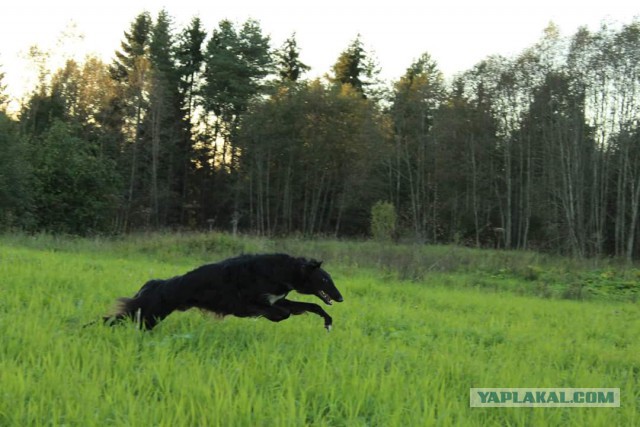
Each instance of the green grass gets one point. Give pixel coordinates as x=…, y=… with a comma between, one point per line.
x=519, y=272
x=402, y=352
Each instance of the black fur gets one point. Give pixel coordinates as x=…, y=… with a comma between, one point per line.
x=245, y=286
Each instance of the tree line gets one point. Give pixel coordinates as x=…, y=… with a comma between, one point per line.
x=187, y=129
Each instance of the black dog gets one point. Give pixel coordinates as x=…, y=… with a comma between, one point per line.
x=245, y=286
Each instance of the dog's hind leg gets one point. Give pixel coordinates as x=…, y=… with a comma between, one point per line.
x=138, y=318
x=141, y=321
x=276, y=314
x=273, y=313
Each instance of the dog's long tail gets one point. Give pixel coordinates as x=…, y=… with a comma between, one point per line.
x=123, y=311
x=146, y=308
x=127, y=308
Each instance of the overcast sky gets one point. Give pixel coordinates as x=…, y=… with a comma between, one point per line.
x=457, y=34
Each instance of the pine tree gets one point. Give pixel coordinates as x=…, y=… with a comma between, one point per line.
x=167, y=126
x=134, y=46
x=131, y=70
x=236, y=64
x=163, y=120
x=354, y=67
x=190, y=58
x=290, y=68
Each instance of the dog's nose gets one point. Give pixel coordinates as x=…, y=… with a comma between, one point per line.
x=340, y=299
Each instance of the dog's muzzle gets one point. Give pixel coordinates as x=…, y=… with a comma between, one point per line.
x=326, y=298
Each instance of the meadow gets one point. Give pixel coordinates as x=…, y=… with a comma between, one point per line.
x=418, y=328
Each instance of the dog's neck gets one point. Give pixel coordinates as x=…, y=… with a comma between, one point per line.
x=288, y=285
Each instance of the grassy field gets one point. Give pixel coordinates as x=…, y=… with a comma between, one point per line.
x=418, y=328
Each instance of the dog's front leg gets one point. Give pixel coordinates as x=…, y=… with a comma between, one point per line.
x=296, y=307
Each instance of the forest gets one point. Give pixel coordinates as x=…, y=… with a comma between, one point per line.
x=189, y=129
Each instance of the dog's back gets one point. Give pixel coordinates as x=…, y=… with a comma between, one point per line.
x=226, y=287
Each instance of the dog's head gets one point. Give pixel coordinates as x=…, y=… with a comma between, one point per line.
x=318, y=282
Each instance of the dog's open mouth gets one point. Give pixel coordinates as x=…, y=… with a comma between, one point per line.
x=324, y=297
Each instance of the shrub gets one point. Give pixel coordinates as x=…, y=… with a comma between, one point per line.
x=383, y=221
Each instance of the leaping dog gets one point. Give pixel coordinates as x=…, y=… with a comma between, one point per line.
x=244, y=286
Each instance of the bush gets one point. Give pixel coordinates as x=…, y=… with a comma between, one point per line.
x=383, y=221
x=75, y=190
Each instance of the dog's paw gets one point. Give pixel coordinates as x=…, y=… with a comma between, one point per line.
x=328, y=328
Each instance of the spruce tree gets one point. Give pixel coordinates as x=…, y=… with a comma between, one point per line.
x=290, y=68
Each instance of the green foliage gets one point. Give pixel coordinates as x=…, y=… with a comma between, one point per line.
x=166, y=137
x=533, y=151
x=354, y=67
x=518, y=272
x=315, y=140
x=290, y=68
x=74, y=189
x=190, y=57
x=161, y=44
x=189, y=50
x=84, y=92
x=236, y=62
x=15, y=193
x=400, y=353
x=416, y=99
x=134, y=46
x=383, y=221
x=418, y=94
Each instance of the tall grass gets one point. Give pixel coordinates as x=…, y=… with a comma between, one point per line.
x=522, y=272
x=401, y=353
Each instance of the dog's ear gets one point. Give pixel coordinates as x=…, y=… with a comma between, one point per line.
x=309, y=265
x=315, y=264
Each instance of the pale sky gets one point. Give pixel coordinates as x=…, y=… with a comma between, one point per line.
x=457, y=34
